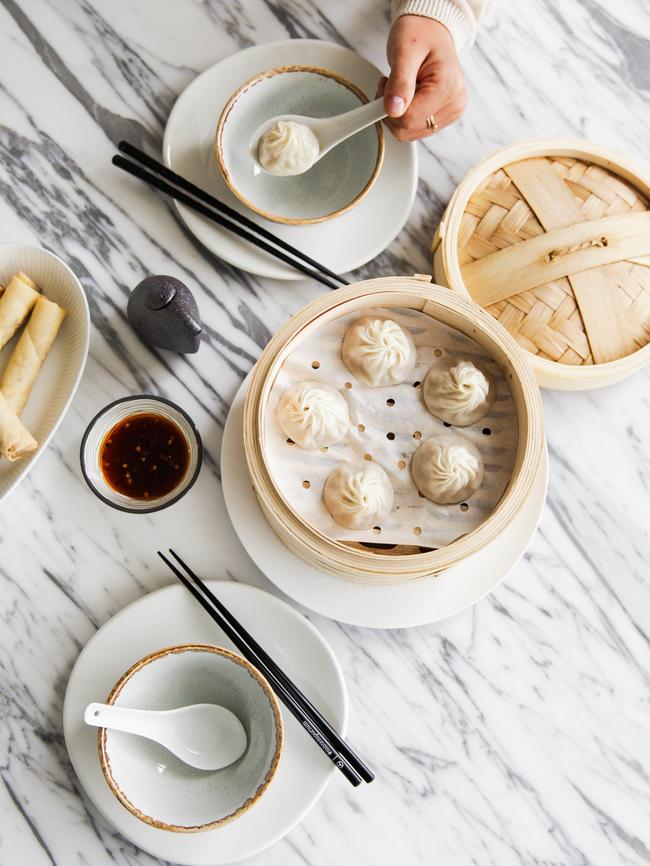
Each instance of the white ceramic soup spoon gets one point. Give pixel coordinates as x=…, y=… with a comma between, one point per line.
x=205, y=736
x=323, y=133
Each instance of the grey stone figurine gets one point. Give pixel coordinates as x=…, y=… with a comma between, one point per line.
x=162, y=310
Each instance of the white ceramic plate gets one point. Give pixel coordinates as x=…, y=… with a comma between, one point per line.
x=171, y=616
x=341, y=244
x=398, y=606
x=58, y=380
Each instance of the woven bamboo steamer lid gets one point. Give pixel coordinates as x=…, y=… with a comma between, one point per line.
x=552, y=238
x=361, y=562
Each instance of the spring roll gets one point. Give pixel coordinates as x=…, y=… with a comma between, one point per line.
x=15, y=440
x=16, y=303
x=31, y=349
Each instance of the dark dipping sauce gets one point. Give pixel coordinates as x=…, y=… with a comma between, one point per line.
x=144, y=456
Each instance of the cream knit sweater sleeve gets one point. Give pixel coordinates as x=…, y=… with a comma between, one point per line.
x=460, y=17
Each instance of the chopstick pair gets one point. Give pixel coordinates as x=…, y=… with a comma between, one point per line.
x=197, y=199
x=298, y=704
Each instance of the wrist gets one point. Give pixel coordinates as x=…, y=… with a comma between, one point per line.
x=446, y=12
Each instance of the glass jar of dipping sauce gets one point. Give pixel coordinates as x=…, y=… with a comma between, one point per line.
x=141, y=454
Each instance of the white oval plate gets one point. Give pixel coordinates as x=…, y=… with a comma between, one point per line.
x=341, y=244
x=417, y=602
x=171, y=616
x=59, y=378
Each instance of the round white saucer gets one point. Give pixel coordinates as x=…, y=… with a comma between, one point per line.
x=398, y=606
x=341, y=244
x=171, y=616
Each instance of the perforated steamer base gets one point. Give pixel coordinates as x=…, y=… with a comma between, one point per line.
x=557, y=249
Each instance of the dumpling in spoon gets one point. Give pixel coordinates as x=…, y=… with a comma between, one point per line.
x=288, y=148
x=378, y=351
x=458, y=391
x=358, y=495
x=447, y=469
x=313, y=415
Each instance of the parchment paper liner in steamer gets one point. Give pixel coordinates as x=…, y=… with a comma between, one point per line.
x=399, y=411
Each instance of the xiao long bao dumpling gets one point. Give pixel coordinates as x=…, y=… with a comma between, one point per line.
x=378, y=351
x=313, y=415
x=458, y=391
x=358, y=496
x=447, y=469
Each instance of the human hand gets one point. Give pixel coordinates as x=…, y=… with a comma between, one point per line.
x=426, y=79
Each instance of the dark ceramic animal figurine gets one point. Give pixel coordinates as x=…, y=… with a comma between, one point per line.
x=162, y=310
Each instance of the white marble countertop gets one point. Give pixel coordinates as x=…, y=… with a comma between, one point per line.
x=515, y=733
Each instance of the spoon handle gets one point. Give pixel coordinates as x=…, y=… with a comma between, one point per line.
x=354, y=121
x=118, y=719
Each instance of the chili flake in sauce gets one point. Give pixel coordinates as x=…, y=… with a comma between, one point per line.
x=144, y=456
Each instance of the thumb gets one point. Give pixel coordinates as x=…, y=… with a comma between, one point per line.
x=400, y=87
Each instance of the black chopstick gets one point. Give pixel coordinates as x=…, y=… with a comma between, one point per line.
x=206, y=198
x=207, y=211
x=187, y=185
x=298, y=704
x=355, y=761
x=287, y=699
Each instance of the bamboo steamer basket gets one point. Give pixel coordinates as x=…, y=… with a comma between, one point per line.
x=552, y=238
x=376, y=563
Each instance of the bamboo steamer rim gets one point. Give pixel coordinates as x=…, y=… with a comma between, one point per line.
x=549, y=373
x=368, y=565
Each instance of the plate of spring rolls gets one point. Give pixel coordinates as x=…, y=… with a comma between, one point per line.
x=44, y=334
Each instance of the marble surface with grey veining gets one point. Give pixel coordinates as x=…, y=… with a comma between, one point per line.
x=515, y=733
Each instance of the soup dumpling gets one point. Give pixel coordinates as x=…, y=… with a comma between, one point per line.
x=313, y=415
x=358, y=495
x=378, y=351
x=458, y=391
x=447, y=469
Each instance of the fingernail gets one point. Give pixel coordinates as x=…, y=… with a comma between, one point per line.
x=395, y=106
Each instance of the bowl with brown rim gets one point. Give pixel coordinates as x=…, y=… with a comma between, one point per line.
x=335, y=184
x=160, y=789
